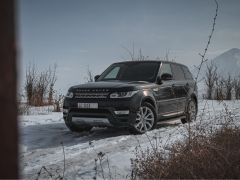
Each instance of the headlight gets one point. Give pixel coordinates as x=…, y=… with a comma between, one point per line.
x=69, y=94
x=123, y=94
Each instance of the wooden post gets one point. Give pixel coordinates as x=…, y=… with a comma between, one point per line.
x=8, y=108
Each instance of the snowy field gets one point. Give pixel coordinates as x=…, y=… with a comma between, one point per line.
x=42, y=132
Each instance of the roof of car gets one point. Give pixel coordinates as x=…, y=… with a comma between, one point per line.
x=147, y=61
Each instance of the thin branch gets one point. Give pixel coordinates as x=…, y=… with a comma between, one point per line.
x=129, y=52
x=203, y=60
x=64, y=160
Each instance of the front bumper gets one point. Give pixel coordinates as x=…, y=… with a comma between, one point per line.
x=107, y=113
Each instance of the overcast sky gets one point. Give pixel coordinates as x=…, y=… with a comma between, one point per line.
x=76, y=34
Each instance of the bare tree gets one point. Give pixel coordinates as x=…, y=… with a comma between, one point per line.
x=229, y=86
x=131, y=53
x=40, y=86
x=210, y=79
x=90, y=76
x=236, y=86
x=219, y=89
x=30, y=83
x=141, y=57
x=58, y=101
x=224, y=87
x=52, y=81
x=166, y=58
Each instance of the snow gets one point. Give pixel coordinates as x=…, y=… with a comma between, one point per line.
x=42, y=132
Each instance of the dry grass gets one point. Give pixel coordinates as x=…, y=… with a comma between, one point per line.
x=23, y=109
x=217, y=156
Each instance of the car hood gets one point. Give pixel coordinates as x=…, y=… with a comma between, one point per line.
x=113, y=85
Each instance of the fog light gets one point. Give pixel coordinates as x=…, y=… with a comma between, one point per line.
x=122, y=112
x=65, y=110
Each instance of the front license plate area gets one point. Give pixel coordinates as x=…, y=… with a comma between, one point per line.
x=88, y=105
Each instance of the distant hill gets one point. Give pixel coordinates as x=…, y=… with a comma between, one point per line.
x=228, y=62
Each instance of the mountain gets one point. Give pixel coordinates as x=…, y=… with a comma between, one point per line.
x=228, y=62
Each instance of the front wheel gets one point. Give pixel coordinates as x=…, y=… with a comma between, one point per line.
x=191, y=112
x=145, y=120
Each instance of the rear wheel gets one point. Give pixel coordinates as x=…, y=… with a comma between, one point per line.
x=145, y=120
x=191, y=112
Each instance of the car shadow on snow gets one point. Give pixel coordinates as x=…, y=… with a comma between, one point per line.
x=51, y=135
x=167, y=124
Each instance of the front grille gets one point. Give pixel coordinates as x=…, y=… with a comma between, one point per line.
x=91, y=93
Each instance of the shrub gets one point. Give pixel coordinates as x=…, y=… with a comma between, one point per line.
x=23, y=109
x=58, y=103
x=216, y=156
x=39, y=87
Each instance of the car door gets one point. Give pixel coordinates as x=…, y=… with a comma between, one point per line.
x=180, y=88
x=164, y=93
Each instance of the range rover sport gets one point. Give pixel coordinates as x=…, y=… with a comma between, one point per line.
x=132, y=94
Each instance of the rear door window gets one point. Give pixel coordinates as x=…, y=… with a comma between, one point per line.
x=177, y=71
x=187, y=73
x=166, y=68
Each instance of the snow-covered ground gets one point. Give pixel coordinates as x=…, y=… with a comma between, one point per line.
x=42, y=132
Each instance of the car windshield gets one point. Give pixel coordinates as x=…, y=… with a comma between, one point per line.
x=135, y=71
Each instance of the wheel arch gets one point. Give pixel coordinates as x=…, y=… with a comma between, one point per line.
x=150, y=100
x=194, y=97
x=147, y=100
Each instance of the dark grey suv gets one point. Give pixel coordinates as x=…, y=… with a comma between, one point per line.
x=132, y=94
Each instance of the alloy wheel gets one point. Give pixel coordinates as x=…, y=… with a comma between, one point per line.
x=145, y=119
x=192, y=111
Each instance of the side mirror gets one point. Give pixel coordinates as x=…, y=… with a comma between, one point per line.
x=166, y=77
x=96, y=77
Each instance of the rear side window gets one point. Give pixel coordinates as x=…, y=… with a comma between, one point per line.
x=187, y=73
x=177, y=71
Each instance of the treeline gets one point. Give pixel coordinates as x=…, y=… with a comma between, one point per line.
x=39, y=86
x=219, y=86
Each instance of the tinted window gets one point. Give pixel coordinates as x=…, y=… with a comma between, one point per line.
x=177, y=72
x=165, y=68
x=187, y=73
x=136, y=71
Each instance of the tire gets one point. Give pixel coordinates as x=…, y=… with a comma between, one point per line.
x=75, y=128
x=146, y=119
x=191, y=112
